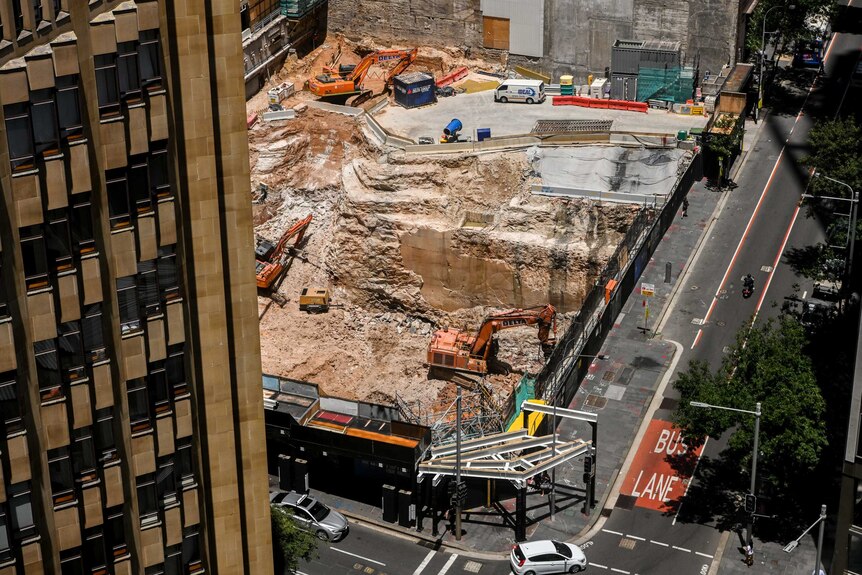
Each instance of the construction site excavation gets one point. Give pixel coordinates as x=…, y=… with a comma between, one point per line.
x=390, y=252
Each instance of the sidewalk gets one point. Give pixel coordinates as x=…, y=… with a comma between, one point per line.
x=620, y=389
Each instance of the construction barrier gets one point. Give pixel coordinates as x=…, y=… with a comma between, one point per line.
x=532, y=74
x=458, y=74
x=600, y=103
x=473, y=86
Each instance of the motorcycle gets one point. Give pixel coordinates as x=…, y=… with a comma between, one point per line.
x=747, y=287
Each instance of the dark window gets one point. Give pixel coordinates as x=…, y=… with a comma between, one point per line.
x=68, y=106
x=4, y=308
x=37, y=11
x=158, y=169
x=19, y=134
x=46, y=139
x=176, y=372
x=5, y=546
x=191, y=547
x=157, y=385
x=82, y=228
x=139, y=408
x=71, y=352
x=18, y=16
x=173, y=560
x=185, y=460
x=83, y=454
x=127, y=299
x=35, y=261
x=155, y=569
x=166, y=484
x=151, y=70
x=58, y=6
x=139, y=186
x=60, y=470
x=21, y=508
x=115, y=531
x=106, y=85
x=91, y=327
x=127, y=70
x=147, y=507
x=118, y=202
x=94, y=550
x=71, y=562
x=148, y=288
x=168, y=277
x=48, y=370
x=59, y=244
x=103, y=430
x=10, y=406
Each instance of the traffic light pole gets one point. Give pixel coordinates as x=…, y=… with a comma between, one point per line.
x=458, y=467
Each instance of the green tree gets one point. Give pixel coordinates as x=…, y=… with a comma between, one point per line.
x=294, y=543
x=836, y=151
x=723, y=141
x=791, y=25
x=765, y=365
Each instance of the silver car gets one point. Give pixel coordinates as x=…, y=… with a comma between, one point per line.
x=537, y=557
x=311, y=514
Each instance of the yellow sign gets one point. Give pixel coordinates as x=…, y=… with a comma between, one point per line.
x=697, y=110
x=647, y=290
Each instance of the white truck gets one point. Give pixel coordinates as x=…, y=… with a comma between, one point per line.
x=519, y=90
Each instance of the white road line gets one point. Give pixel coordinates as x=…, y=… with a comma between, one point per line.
x=659, y=543
x=424, y=562
x=448, y=564
x=621, y=571
x=703, y=554
x=635, y=537
x=598, y=565
x=612, y=532
x=690, y=479
x=805, y=293
x=682, y=549
x=358, y=556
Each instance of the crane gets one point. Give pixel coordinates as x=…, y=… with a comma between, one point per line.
x=346, y=81
x=462, y=351
x=271, y=259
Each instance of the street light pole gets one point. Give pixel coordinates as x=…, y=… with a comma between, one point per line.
x=854, y=200
x=763, y=54
x=795, y=543
x=756, y=413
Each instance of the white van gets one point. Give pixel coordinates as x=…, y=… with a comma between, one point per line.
x=518, y=90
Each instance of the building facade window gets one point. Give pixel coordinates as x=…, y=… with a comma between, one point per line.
x=157, y=385
x=71, y=347
x=127, y=71
x=46, y=138
x=185, y=461
x=147, y=505
x=103, y=435
x=115, y=531
x=18, y=17
x=94, y=551
x=5, y=543
x=169, y=281
x=10, y=404
x=69, y=107
x=91, y=329
x=58, y=242
x=21, y=511
x=35, y=258
x=48, y=370
x=139, y=408
x=106, y=85
x=148, y=50
x=166, y=483
x=38, y=15
x=176, y=371
x=191, y=549
x=71, y=562
x=83, y=455
x=173, y=560
x=62, y=480
x=82, y=227
x=148, y=288
x=127, y=299
x=118, y=200
x=139, y=185
x=4, y=301
x=158, y=170
x=19, y=135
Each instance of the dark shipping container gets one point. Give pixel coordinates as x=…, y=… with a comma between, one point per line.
x=414, y=89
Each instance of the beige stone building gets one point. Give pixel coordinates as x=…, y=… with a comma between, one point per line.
x=131, y=421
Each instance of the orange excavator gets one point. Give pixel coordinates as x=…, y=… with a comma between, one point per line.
x=346, y=81
x=272, y=259
x=462, y=351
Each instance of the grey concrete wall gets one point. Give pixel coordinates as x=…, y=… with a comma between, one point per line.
x=428, y=22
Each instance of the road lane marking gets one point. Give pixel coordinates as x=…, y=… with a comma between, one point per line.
x=659, y=543
x=621, y=571
x=681, y=549
x=358, y=556
x=774, y=267
x=425, y=562
x=635, y=537
x=598, y=565
x=703, y=554
x=612, y=532
x=448, y=564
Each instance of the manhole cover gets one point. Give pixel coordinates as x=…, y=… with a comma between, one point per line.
x=472, y=566
x=721, y=323
x=627, y=543
x=596, y=401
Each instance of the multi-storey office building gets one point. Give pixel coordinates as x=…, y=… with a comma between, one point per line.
x=131, y=421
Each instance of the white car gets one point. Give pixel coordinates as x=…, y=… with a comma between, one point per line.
x=311, y=514
x=537, y=557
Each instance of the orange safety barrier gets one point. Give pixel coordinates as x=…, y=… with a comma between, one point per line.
x=452, y=77
x=251, y=120
x=599, y=103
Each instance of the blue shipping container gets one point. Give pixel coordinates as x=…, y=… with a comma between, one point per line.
x=414, y=89
x=483, y=134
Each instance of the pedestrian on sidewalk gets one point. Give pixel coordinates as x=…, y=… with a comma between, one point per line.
x=749, y=555
x=685, y=207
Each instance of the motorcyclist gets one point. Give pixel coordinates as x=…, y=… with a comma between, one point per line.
x=748, y=281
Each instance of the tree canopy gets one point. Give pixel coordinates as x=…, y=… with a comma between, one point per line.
x=836, y=151
x=791, y=25
x=766, y=365
x=293, y=542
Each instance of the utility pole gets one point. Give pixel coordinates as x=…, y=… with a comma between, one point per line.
x=458, y=467
x=754, y=471
x=820, y=539
x=553, y=455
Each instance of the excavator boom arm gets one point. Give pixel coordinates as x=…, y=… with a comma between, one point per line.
x=404, y=57
x=544, y=316
x=297, y=230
